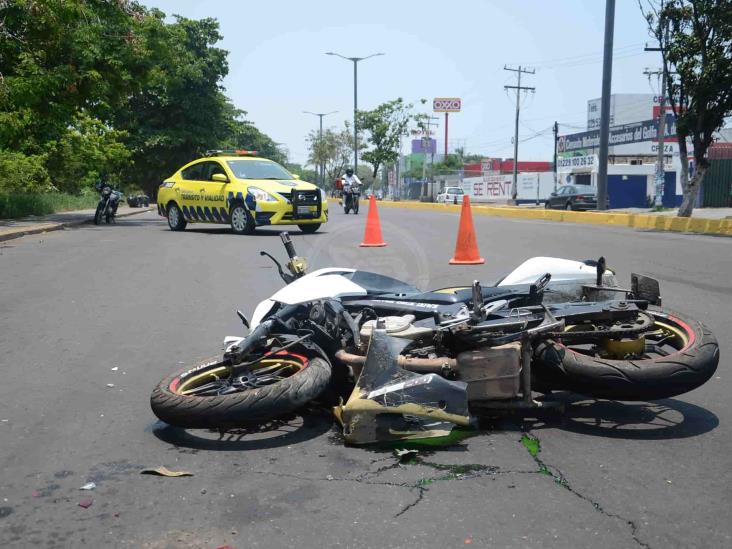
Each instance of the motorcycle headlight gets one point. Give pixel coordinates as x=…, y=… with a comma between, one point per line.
x=106, y=191
x=261, y=195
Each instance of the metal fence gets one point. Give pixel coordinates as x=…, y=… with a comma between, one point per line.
x=717, y=185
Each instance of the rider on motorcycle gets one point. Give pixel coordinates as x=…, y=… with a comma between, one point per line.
x=351, y=180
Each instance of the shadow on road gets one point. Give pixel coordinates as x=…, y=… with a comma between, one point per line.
x=659, y=420
x=272, y=434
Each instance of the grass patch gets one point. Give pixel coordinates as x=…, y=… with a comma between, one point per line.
x=15, y=206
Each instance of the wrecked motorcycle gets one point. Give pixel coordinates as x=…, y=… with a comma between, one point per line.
x=420, y=363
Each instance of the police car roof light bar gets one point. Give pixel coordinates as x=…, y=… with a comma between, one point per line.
x=231, y=152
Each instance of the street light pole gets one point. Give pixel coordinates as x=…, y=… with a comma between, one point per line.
x=355, y=61
x=321, y=167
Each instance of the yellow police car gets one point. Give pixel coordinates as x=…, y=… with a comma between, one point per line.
x=240, y=189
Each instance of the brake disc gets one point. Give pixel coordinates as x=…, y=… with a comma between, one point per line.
x=617, y=330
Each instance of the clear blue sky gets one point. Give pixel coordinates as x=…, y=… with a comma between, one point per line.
x=433, y=49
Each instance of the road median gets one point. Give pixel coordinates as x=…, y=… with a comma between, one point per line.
x=648, y=222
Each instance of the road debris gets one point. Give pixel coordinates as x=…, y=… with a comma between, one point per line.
x=114, y=369
x=165, y=472
x=86, y=503
x=110, y=385
x=405, y=455
x=88, y=486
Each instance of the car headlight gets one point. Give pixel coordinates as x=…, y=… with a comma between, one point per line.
x=261, y=195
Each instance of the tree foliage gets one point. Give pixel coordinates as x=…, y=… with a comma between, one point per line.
x=695, y=37
x=385, y=125
x=335, y=150
x=91, y=86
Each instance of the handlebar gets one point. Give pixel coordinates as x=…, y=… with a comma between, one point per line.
x=289, y=246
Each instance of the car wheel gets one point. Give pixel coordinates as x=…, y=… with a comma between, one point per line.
x=568, y=207
x=176, y=222
x=242, y=221
x=309, y=228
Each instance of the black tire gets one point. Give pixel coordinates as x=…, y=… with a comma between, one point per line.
x=568, y=207
x=176, y=221
x=241, y=220
x=310, y=228
x=99, y=214
x=355, y=208
x=241, y=408
x=346, y=210
x=689, y=367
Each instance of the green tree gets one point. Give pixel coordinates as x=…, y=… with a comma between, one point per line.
x=385, y=125
x=695, y=37
x=335, y=150
x=179, y=111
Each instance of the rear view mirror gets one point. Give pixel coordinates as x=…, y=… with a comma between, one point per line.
x=553, y=194
x=220, y=177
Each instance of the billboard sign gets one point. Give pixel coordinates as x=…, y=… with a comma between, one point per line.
x=446, y=104
x=424, y=146
x=647, y=130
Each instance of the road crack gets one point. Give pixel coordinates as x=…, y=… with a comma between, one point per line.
x=533, y=445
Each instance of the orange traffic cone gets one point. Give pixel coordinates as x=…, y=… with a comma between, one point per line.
x=372, y=238
x=466, y=247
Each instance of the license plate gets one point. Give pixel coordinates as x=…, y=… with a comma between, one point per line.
x=303, y=210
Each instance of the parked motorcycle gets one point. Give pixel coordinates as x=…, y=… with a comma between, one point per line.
x=108, y=203
x=421, y=363
x=351, y=196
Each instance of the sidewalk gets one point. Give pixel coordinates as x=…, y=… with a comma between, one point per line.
x=14, y=228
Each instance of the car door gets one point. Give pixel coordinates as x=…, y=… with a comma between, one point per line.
x=555, y=200
x=188, y=190
x=569, y=195
x=214, y=193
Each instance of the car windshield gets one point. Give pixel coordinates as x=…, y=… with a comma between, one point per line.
x=454, y=190
x=258, y=169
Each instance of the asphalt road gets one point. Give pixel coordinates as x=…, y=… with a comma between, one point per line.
x=139, y=298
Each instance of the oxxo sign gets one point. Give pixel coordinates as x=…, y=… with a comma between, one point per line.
x=446, y=104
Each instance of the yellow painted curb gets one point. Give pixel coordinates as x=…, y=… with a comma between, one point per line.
x=635, y=221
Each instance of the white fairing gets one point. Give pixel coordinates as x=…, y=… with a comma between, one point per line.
x=319, y=284
x=568, y=276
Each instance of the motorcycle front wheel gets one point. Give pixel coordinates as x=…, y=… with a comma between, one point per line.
x=675, y=356
x=206, y=396
x=99, y=214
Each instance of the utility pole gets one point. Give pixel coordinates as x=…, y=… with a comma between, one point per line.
x=321, y=167
x=556, y=138
x=519, y=88
x=660, y=168
x=607, y=73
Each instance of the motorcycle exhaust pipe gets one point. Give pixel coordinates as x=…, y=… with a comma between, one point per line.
x=443, y=365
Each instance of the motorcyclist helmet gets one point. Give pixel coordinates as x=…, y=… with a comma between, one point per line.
x=349, y=172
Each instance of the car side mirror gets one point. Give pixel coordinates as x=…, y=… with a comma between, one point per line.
x=553, y=194
x=295, y=176
x=220, y=177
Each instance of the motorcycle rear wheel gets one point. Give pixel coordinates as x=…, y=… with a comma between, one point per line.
x=286, y=382
x=680, y=354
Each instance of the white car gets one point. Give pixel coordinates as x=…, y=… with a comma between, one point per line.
x=451, y=195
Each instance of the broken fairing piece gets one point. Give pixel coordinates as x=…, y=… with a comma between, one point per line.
x=165, y=472
x=88, y=486
x=389, y=403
